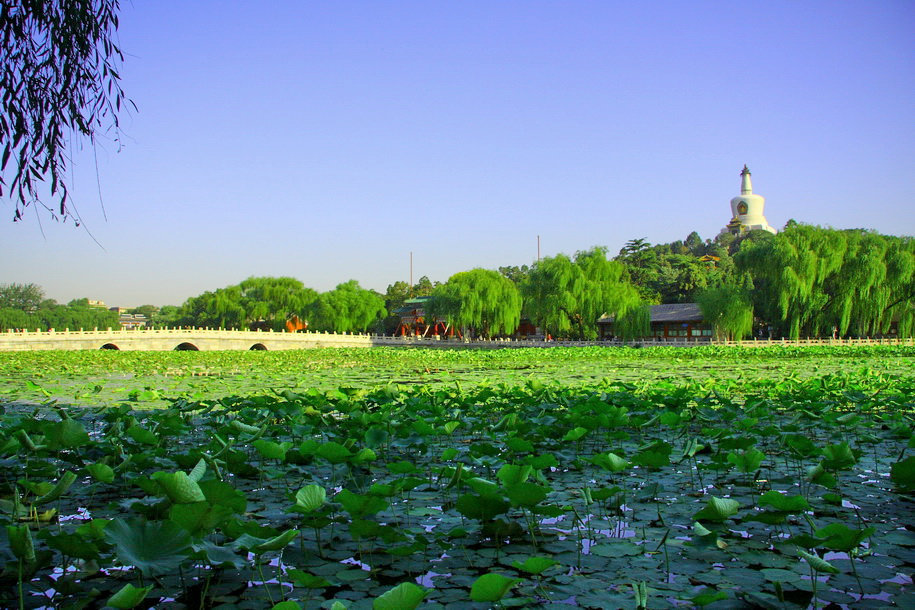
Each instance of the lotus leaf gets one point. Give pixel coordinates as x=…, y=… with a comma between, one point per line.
x=717, y=510
x=491, y=587
x=153, y=547
x=404, y=596
x=310, y=498
x=178, y=487
x=129, y=596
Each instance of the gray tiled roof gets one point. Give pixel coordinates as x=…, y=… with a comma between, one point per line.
x=670, y=312
x=676, y=312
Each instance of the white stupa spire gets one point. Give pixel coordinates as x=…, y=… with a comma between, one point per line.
x=746, y=186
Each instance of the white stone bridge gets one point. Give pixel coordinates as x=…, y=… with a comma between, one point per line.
x=209, y=339
x=204, y=339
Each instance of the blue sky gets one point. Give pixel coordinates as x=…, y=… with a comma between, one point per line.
x=328, y=140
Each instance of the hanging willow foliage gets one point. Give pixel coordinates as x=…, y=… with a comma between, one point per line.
x=481, y=300
x=729, y=309
x=59, y=65
x=814, y=281
x=347, y=308
x=633, y=323
x=566, y=297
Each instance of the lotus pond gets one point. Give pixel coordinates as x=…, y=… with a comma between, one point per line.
x=386, y=478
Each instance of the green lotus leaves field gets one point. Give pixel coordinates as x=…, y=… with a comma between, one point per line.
x=384, y=478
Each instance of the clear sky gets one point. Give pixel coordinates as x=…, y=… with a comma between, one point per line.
x=328, y=140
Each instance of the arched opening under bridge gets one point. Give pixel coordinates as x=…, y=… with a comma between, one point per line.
x=258, y=347
x=186, y=347
x=110, y=346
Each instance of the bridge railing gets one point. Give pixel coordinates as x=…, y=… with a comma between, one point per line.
x=441, y=340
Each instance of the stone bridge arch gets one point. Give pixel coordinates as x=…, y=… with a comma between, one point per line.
x=187, y=346
x=258, y=347
x=110, y=346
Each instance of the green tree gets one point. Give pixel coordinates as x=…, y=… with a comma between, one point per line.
x=347, y=308
x=695, y=245
x=515, y=273
x=729, y=309
x=480, y=300
x=255, y=301
x=146, y=310
x=25, y=297
x=274, y=299
x=812, y=281
x=59, y=74
x=75, y=315
x=167, y=316
x=633, y=323
x=396, y=294
x=423, y=288
x=566, y=297
x=12, y=318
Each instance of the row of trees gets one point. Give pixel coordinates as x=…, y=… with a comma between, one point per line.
x=563, y=295
x=24, y=306
x=805, y=281
x=267, y=302
x=811, y=281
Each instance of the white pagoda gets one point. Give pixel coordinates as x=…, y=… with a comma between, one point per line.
x=747, y=209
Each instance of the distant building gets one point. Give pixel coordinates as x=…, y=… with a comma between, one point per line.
x=132, y=321
x=94, y=303
x=681, y=321
x=747, y=209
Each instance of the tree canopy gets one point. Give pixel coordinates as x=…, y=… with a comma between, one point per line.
x=26, y=297
x=729, y=309
x=347, y=308
x=23, y=306
x=810, y=280
x=480, y=300
x=566, y=297
x=266, y=300
x=59, y=75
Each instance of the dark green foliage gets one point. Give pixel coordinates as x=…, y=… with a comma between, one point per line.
x=812, y=281
x=23, y=306
x=266, y=300
x=566, y=297
x=729, y=309
x=59, y=64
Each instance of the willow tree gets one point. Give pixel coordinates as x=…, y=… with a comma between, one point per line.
x=814, y=281
x=59, y=64
x=633, y=323
x=274, y=299
x=566, y=296
x=481, y=300
x=347, y=308
x=729, y=309
x=256, y=299
x=900, y=285
x=874, y=287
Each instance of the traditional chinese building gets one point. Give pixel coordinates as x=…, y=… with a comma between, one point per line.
x=682, y=321
x=413, y=321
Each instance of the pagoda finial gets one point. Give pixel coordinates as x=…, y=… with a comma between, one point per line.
x=746, y=187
